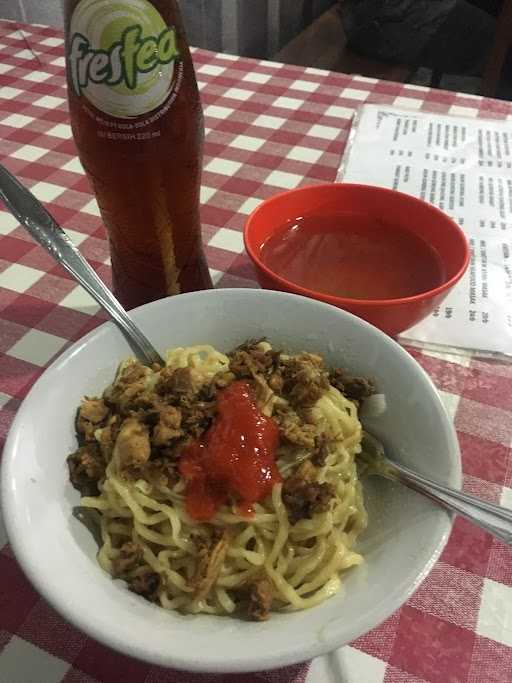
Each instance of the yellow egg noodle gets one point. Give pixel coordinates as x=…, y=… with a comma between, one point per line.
x=303, y=560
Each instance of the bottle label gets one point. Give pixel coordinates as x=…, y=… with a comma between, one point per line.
x=121, y=56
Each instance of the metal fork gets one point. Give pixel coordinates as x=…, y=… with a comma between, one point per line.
x=494, y=519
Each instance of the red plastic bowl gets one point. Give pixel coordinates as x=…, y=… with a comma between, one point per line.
x=409, y=213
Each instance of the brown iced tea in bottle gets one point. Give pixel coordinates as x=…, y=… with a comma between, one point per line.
x=138, y=125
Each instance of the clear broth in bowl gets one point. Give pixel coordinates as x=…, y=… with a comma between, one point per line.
x=353, y=255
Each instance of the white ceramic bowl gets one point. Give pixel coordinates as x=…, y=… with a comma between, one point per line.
x=406, y=532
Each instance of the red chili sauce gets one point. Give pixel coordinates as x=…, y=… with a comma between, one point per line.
x=353, y=255
x=235, y=459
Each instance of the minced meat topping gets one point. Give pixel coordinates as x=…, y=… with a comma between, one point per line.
x=303, y=496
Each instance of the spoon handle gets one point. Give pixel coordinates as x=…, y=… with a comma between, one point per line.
x=45, y=230
x=492, y=518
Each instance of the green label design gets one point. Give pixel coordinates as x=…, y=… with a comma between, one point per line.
x=121, y=56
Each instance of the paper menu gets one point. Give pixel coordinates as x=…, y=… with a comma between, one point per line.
x=463, y=166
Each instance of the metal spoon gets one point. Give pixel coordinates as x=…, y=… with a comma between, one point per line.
x=492, y=518
x=44, y=229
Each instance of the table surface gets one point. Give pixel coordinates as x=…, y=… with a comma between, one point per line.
x=269, y=127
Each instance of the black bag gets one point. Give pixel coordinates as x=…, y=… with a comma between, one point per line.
x=393, y=30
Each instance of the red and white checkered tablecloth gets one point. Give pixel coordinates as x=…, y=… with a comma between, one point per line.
x=269, y=127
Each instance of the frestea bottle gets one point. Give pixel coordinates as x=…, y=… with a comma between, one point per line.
x=138, y=125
